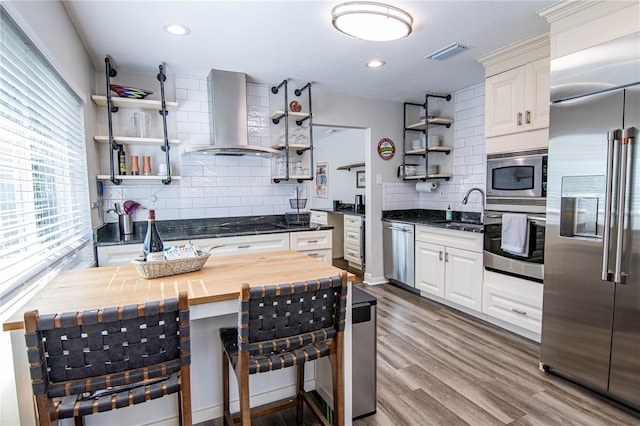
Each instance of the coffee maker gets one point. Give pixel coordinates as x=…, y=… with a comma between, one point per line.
x=358, y=205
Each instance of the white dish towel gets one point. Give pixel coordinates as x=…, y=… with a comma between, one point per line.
x=515, y=234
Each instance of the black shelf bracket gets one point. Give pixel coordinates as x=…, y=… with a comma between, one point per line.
x=163, y=112
x=111, y=72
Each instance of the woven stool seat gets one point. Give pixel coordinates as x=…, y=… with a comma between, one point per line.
x=281, y=326
x=100, y=360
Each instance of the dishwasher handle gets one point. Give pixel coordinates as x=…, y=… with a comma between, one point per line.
x=397, y=228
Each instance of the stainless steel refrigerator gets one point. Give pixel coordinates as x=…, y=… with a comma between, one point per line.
x=591, y=306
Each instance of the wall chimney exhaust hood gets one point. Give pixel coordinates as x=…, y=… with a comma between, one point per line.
x=228, y=117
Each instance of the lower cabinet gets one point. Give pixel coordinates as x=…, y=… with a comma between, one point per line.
x=315, y=244
x=353, y=240
x=244, y=244
x=514, y=301
x=123, y=254
x=448, y=265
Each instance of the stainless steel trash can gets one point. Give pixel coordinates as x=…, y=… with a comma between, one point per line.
x=364, y=351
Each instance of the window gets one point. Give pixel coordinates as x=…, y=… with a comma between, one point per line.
x=44, y=200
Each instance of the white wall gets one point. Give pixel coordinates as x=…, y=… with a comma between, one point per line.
x=338, y=149
x=469, y=162
x=47, y=25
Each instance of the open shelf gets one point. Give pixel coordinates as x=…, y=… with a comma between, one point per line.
x=276, y=115
x=130, y=140
x=296, y=146
x=433, y=176
x=138, y=178
x=438, y=121
x=422, y=151
x=133, y=103
x=351, y=166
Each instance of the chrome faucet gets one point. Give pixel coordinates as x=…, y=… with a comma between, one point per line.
x=466, y=199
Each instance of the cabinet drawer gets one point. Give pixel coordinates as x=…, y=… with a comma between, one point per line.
x=352, y=236
x=513, y=300
x=245, y=244
x=319, y=217
x=323, y=255
x=352, y=254
x=311, y=240
x=353, y=221
x=463, y=240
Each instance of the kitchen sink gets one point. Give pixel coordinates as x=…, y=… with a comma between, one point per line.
x=462, y=226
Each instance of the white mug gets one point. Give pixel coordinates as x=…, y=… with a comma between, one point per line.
x=162, y=169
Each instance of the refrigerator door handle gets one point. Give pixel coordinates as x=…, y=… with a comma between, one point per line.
x=613, y=135
x=628, y=136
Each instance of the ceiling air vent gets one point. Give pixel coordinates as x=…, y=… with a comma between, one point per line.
x=447, y=52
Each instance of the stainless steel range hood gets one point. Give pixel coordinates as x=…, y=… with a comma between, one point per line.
x=228, y=117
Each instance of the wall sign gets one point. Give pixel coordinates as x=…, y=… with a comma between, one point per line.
x=386, y=149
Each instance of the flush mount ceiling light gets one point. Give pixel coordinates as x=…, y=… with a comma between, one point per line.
x=447, y=51
x=374, y=63
x=371, y=21
x=176, y=29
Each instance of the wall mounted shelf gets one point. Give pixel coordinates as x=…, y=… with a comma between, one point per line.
x=130, y=140
x=133, y=103
x=351, y=166
x=138, y=178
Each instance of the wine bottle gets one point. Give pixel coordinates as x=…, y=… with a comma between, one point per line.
x=122, y=160
x=153, y=246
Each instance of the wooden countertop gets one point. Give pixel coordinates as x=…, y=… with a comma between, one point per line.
x=220, y=279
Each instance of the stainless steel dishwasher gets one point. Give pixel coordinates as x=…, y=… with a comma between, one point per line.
x=398, y=252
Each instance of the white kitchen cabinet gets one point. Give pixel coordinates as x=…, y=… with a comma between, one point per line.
x=518, y=100
x=337, y=233
x=448, y=265
x=353, y=240
x=517, y=85
x=244, y=244
x=315, y=244
x=513, y=301
x=123, y=254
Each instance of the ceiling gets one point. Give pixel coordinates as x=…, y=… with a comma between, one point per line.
x=273, y=40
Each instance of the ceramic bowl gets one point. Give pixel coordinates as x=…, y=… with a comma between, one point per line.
x=130, y=92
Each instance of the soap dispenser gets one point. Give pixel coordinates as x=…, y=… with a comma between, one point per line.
x=449, y=215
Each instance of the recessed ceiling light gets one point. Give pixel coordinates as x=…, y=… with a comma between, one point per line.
x=176, y=29
x=374, y=63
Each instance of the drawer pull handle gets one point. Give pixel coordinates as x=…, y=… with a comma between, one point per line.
x=518, y=311
x=313, y=254
x=243, y=247
x=312, y=241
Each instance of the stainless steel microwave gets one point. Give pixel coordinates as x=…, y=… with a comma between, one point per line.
x=518, y=175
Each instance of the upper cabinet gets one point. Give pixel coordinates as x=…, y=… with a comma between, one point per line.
x=131, y=145
x=294, y=130
x=518, y=100
x=517, y=96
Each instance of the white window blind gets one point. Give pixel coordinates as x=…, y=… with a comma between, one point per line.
x=44, y=201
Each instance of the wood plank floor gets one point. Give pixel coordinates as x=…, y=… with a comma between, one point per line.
x=437, y=366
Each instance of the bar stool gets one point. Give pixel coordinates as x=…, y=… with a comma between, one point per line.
x=99, y=360
x=282, y=326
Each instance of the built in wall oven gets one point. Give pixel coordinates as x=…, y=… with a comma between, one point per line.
x=531, y=265
x=517, y=181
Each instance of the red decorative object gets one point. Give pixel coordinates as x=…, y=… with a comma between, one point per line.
x=386, y=149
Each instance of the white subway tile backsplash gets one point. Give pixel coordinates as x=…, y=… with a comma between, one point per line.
x=186, y=82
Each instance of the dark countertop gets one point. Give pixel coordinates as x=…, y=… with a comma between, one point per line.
x=461, y=221
x=186, y=229
x=342, y=209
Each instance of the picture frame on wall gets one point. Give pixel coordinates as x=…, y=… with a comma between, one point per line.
x=321, y=180
x=360, y=179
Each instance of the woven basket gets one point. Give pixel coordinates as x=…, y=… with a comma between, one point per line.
x=170, y=267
